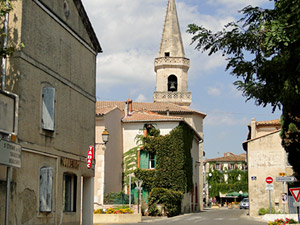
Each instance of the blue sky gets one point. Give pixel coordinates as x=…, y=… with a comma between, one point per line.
x=130, y=32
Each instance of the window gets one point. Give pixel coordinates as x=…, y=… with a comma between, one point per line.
x=231, y=166
x=46, y=183
x=70, y=192
x=152, y=160
x=287, y=159
x=172, y=83
x=167, y=54
x=147, y=160
x=218, y=166
x=48, y=98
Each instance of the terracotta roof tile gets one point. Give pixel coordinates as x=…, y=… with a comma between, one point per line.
x=142, y=115
x=102, y=111
x=151, y=106
x=231, y=158
x=268, y=123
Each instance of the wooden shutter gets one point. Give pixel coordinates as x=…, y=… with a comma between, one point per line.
x=46, y=178
x=144, y=163
x=48, y=108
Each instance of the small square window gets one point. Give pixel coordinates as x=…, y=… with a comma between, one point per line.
x=167, y=54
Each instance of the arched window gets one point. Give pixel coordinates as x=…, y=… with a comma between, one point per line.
x=172, y=83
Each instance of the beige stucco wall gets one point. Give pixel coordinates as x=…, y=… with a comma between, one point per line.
x=108, y=174
x=162, y=79
x=130, y=130
x=266, y=157
x=51, y=56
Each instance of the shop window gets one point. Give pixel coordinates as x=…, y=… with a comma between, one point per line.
x=48, y=108
x=70, y=192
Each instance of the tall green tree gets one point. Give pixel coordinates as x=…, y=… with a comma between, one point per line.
x=5, y=7
x=263, y=51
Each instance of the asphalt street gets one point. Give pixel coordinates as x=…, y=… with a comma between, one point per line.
x=207, y=217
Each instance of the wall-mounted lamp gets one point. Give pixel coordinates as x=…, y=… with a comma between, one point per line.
x=105, y=136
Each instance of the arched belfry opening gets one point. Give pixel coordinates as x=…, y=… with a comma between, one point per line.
x=172, y=83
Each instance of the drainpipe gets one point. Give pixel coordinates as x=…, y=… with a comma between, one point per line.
x=4, y=63
x=4, y=47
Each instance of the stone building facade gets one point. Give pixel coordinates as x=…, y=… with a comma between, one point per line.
x=170, y=106
x=54, y=76
x=266, y=158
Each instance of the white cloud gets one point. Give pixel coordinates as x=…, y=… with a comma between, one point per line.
x=141, y=98
x=224, y=119
x=214, y=91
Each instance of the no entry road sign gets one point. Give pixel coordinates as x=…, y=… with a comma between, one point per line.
x=269, y=180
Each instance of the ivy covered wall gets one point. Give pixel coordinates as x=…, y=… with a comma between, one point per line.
x=174, y=167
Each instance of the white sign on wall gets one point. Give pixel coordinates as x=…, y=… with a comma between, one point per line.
x=8, y=104
x=10, y=154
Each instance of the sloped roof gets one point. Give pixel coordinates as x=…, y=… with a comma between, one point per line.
x=88, y=26
x=150, y=106
x=147, y=116
x=268, y=123
x=230, y=158
x=105, y=110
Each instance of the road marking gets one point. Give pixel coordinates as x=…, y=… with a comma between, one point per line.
x=233, y=219
x=219, y=219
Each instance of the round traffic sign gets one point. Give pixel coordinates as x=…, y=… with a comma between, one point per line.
x=269, y=180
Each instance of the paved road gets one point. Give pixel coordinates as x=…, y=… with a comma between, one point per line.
x=212, y=217
x=208, y=217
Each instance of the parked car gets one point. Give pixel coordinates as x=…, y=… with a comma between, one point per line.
x=244, y=204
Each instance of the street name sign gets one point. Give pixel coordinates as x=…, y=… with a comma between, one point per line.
x=269, y=180
x=296, y=193
x=10, y=154
x=285, y=179
x=296, y=204
x=269, y=187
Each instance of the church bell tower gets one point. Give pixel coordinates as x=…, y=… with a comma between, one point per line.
x=171, y=66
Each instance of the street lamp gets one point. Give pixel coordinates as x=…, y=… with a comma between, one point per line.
x=105, y=136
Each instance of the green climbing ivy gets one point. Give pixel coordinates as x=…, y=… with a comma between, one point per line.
x=174, y=164
x=237, y=180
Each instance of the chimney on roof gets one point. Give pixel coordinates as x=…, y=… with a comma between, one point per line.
x=128, y=107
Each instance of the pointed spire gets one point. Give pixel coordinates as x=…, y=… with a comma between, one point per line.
x=171, y=42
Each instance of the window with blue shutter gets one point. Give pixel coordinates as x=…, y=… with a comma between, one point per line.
x=46, y=184
x=48, y=108
x=147, y=160
x=144, y=159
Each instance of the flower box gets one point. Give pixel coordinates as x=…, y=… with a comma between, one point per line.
x=117, y=218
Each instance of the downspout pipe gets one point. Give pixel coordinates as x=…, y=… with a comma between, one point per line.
x=4, y=60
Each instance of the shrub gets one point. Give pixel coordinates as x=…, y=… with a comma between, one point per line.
x=169, y=199
x=116, y=198
x=262, y=211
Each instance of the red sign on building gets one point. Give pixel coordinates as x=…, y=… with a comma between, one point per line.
x=296, y=193
x=269, y=180
x=90, y=157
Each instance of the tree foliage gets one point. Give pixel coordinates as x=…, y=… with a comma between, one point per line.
x=263, y=51
x=237, y=180
x=5, y=7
